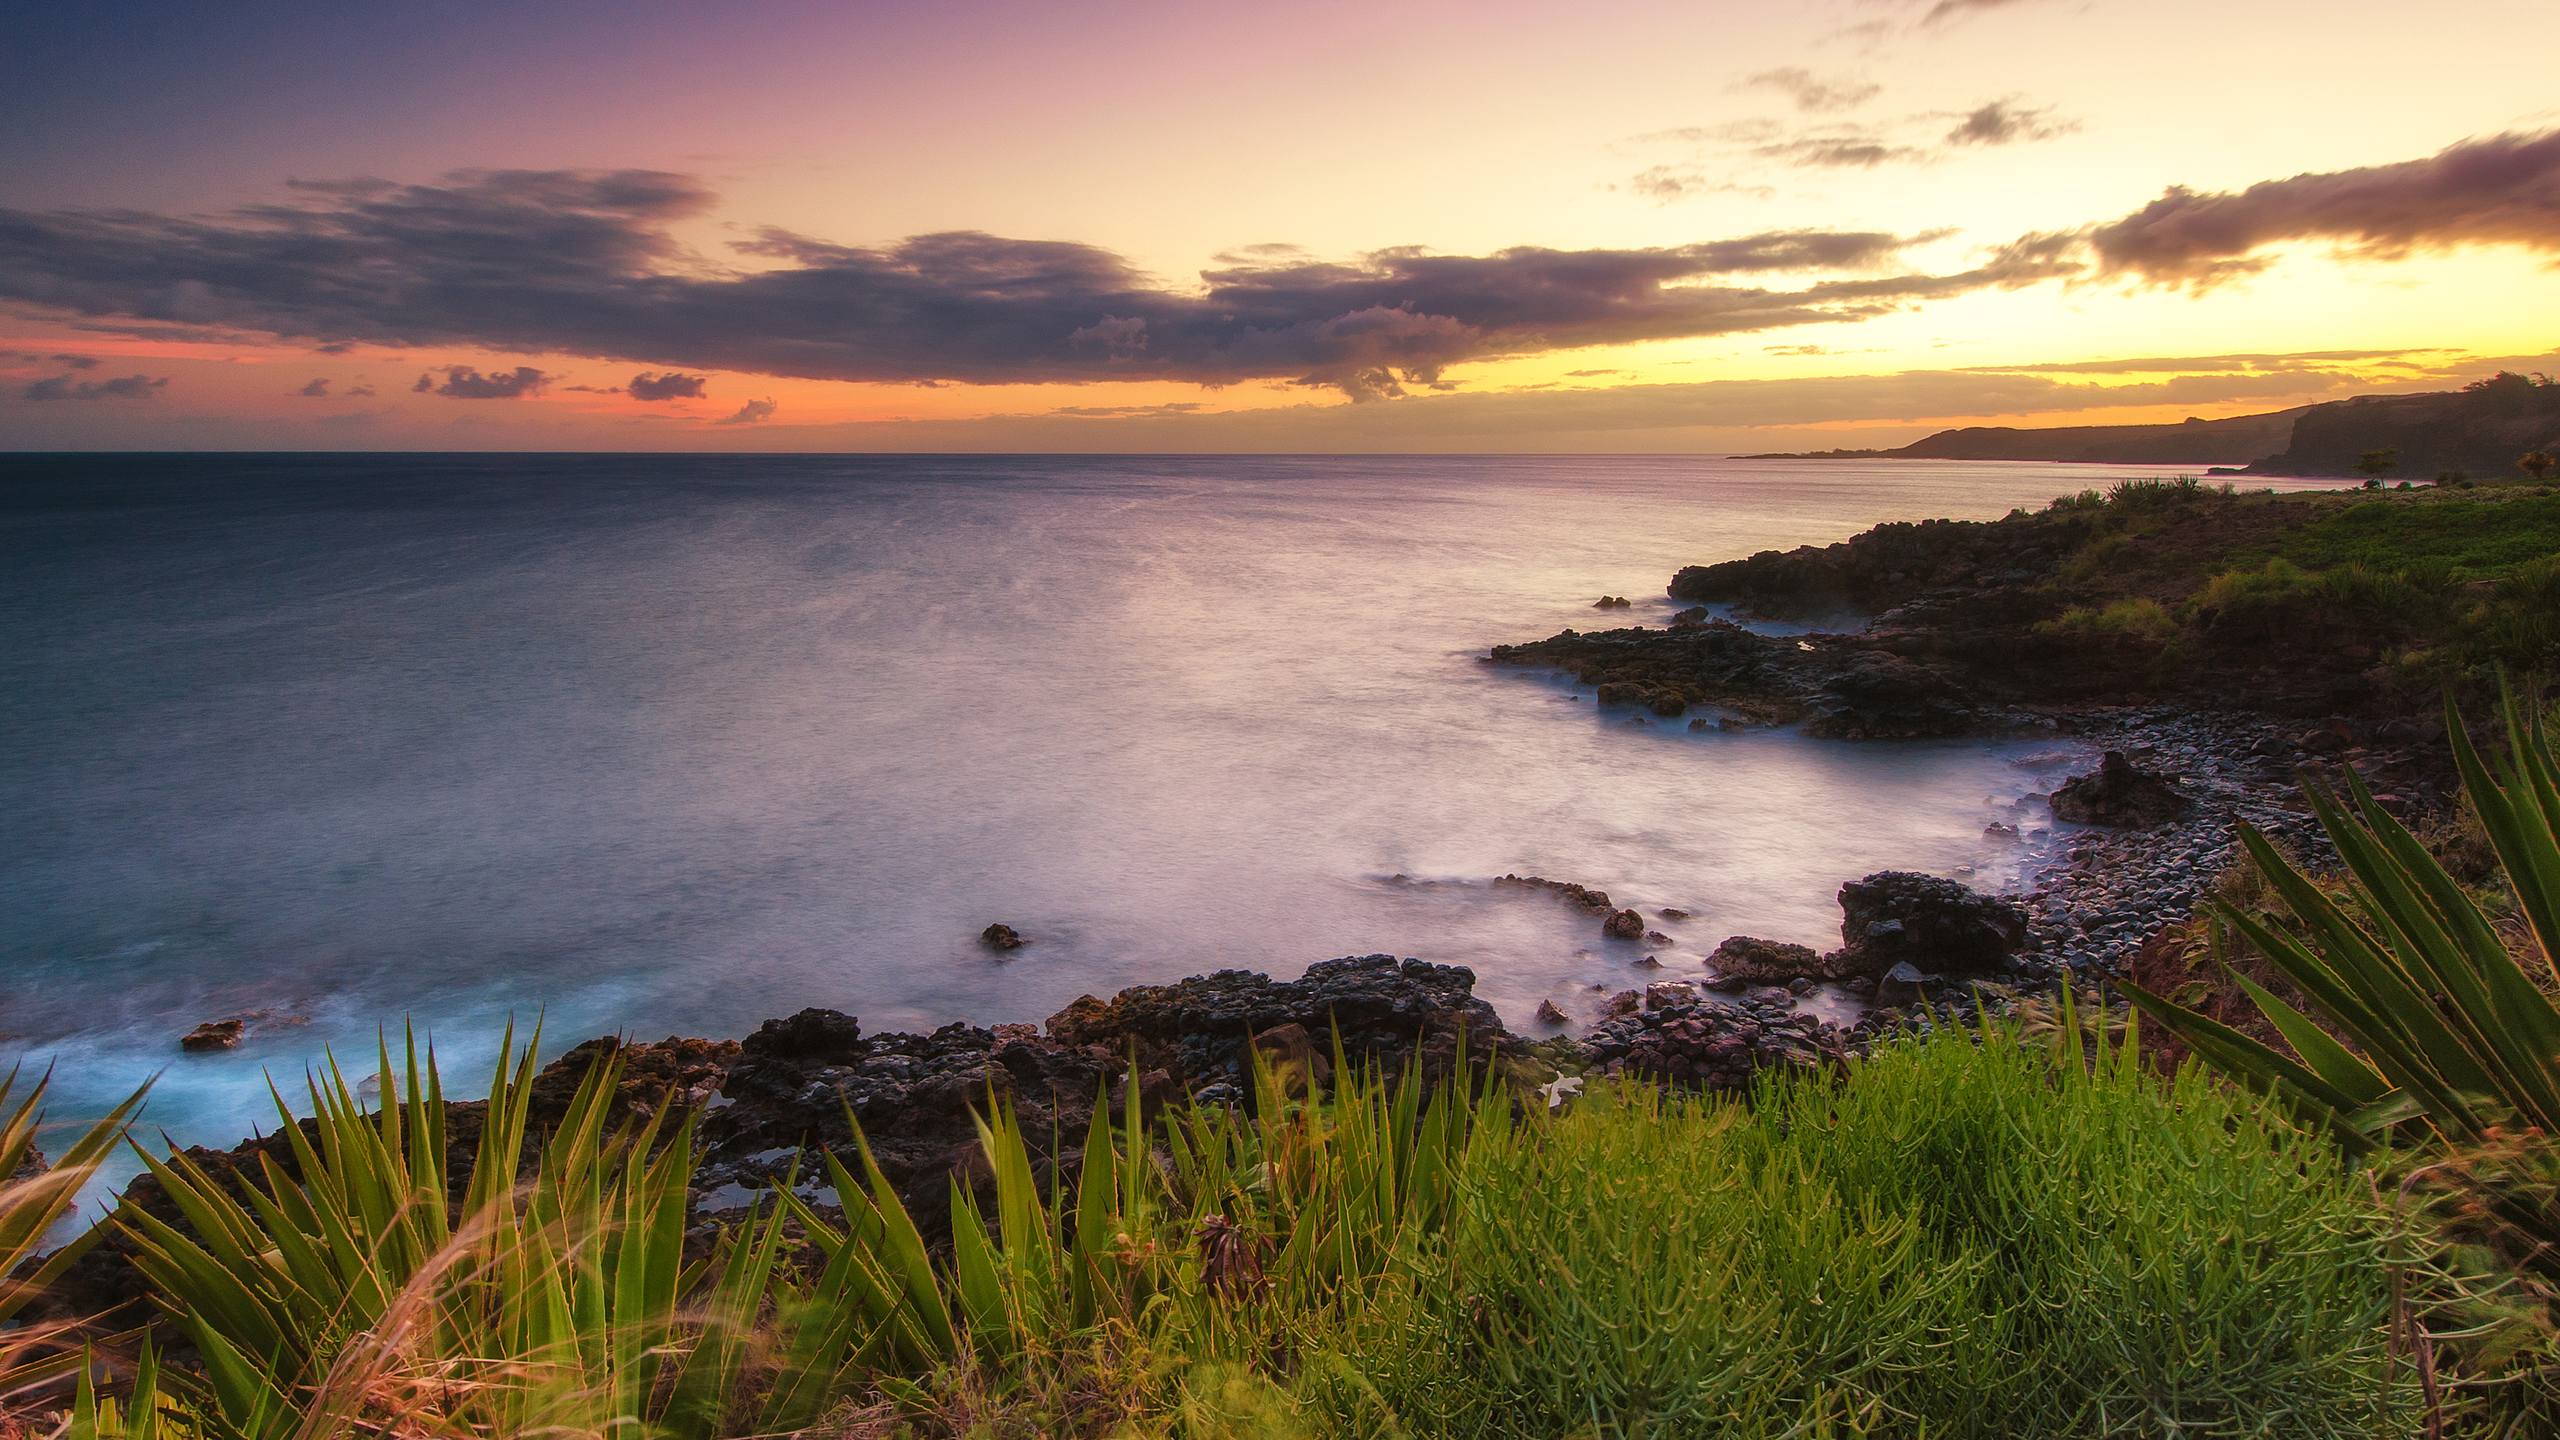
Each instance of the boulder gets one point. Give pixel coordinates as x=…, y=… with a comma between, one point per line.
x=1895, y=916
x=1623, y=925
x=1001, y=936
x=811, y=1034
x=2120, y=794
x=1750, y=960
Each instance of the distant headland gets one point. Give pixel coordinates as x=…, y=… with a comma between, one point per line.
x=2478, y=430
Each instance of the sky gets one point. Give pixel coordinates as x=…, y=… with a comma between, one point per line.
x=1320, y=227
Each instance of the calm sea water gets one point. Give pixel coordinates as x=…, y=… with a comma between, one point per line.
x=668, y=744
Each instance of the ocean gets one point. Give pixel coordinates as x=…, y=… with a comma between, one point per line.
x=671, y=744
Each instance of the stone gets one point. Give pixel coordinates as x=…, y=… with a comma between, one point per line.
x=1612, y=602
x=1898, y=915
x=1550, y=1013
x=212, y=1035
x=1903, y=985
x=811, y=1034
x=1001, y=936
x=1750, y=960
x=2119, y=794
x=1623, y=925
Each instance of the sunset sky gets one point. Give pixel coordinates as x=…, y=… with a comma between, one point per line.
x=1317, y=227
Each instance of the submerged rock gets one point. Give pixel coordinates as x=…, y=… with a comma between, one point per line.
x=212, y=1035
x=1623, y=925
x=1001, y=936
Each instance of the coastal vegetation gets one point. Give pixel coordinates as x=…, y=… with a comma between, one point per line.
x=2422, y=1016
x=1972, y=1234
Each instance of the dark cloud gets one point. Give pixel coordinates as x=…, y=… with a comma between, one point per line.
x=358, y=391
x=670, y=386
x=465, y=382
x=559, y=262
x=2503, y=190
x=77, y=362
x=124, y=387
x=754, y=412
x=2006, y=122
x=317, y=389
x=1811, y=93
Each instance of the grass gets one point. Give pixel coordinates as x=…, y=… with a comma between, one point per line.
x=1970, y=1235
x=1965, y=1240
x=2440, y=586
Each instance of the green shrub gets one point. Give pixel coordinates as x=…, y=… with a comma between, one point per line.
x=2138, y=621
x=1965, y=1239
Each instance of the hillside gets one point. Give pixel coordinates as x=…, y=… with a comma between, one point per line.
x=2479, y=430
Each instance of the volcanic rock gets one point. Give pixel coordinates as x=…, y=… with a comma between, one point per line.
x=212, y=1035
x=1896, y=915
x=2120, y=794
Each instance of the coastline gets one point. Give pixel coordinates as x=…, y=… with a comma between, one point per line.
x=1943, y=608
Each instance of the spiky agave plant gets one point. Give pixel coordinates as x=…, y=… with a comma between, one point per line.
x=1220, y=1249
x=33, y=1203
x=2424, y=1016
x=350, y=1288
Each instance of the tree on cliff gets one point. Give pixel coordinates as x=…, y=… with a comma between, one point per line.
x=2537, y=463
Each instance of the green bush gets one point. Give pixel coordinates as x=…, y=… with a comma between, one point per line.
x=1966, y=1239
x=2138, y=621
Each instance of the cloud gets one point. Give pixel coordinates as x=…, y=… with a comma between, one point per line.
x=1843, y=150
x=2502, y=190
x=1738, y=414
x=1126, y=412
x=670, y=386
x=1832, y=146
x=465, y=382
x=1946, y=11
x=1664, y=184
x=317, y=389
x=754, y=412
x=77, y=362
x=1810, y=92
x=584, y=263
x=2006, y=122
x=358, y=391
x=126, y=387
x=2295, y=362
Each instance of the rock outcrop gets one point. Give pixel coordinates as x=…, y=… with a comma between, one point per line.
x=2120, y=794
x=1896, y=917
